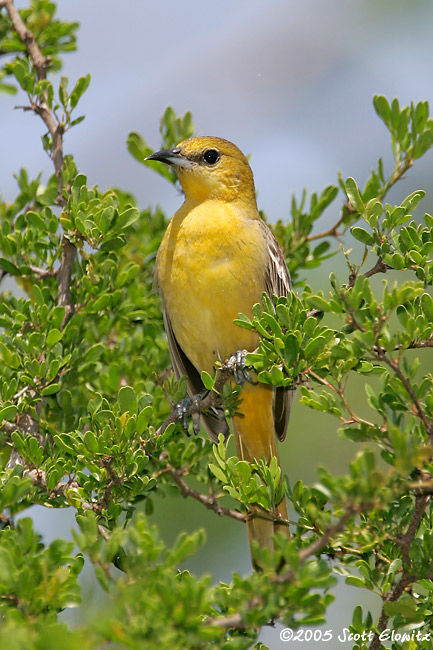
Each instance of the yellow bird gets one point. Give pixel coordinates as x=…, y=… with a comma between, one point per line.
x=216, y=259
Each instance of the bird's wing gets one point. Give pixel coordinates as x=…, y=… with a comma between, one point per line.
x=277, y=282
x=214, y=421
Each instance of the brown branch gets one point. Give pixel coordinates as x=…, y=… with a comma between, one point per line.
x=340, y=392
x=209, y=501
x=404, y=542
x=321, y=541
x=379, y=267
x=422, y=486
x=407, y=385
x=232, y=622
x=104, y=532
x=39, y=478
x=64, y=276
x=41, y=273
x=56, y=130
x=414, y=345
x=314, y=313
x=237, y=620
x=428, y=343
x=40, y=61
x=333, y=231
x=405, y=580
x=402, y=168
x=9, y=427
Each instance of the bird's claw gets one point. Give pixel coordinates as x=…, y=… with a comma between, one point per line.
x=236, y=364
x=190, y=406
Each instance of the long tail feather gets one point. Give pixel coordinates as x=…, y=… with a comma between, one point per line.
x=255, y=437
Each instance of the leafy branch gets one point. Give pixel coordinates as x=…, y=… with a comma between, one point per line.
x=239, y=620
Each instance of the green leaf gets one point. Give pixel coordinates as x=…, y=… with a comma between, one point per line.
x=7, y=266
x=207, y=380
x=143, y=419
x=101, y=303
x=411, y=201
x=362, y=235
x=53, y=337
x=8, y=89
x=63, y=93
x=218, y=473
x=382, y=108
x=127, y=217
x=354, y=195
x=80, y=88
x=50, y=390
x=355, y=581
x=318, y=302
x=8, y=412
x=90, y=441
x=138, y=148
x=427, y=306
x=127, y=400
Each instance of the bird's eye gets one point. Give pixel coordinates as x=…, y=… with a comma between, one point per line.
x=211, y=156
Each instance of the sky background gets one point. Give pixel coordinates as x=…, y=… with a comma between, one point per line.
x=291, y=83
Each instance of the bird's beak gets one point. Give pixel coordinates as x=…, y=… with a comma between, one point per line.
x=171, y=157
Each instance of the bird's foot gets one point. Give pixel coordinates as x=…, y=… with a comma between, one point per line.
x=236, y=364
x=190, y=406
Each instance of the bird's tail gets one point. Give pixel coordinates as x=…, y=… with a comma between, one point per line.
x=255, y=437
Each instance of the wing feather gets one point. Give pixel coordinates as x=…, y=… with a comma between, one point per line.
x=278, y=283
x=214, y=421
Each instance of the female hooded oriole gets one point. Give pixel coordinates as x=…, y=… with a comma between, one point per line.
x=216, y=259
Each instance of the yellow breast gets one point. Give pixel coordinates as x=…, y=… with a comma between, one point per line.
x=211, y=266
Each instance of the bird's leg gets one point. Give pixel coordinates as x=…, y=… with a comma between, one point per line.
x=236, y=364
x=190, y=406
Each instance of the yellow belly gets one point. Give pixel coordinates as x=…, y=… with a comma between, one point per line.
x=211, y=266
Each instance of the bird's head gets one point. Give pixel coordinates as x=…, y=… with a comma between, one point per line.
x=210, y=168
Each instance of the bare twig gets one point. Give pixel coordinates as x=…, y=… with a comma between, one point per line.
x=209, y=501
x=9, y=427
x=414, y=345
x=422, y=486
x=340, y=393
x=104, y=532
x=63, y=276
x=40, y=63
x=379, y=267
x=401, y=168
x=333, y=231
x=428, y=343
x=41, y=273
x=232, y=622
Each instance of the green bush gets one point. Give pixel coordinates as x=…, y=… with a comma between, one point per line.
x=84, y=386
